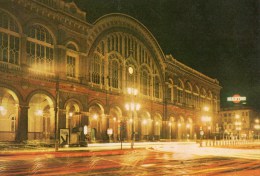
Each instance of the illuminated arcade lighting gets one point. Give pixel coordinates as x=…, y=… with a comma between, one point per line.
x=132, y=91
x=205, y=118
x=39, y=112
x=237, y=116
x=132, y=106
x=95, y=116
x=144, y=121
x=3, y=111
x=206, y=108
x=238, y=123
x=188, y=125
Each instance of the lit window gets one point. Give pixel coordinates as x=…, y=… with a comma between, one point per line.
x=40, y=49
x=71, y=66
x=9, y=39
x=97, y=70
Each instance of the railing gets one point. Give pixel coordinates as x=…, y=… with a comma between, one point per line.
x=216, y=143
x=40, y=74
x=7, y=67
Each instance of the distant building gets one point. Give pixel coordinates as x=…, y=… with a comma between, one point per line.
x=61, y=76
x=239, y=122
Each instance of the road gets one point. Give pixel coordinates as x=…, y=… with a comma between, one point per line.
x=157, y=160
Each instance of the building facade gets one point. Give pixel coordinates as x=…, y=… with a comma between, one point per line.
x=239, y=122
x=59, y=72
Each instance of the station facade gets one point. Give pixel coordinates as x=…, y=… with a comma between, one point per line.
x=57, y=71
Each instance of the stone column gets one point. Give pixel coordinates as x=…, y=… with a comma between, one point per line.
x=22, y=132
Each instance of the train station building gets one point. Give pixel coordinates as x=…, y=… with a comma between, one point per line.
x=60, y=74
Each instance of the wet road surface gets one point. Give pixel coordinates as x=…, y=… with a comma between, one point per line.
x=150, y=162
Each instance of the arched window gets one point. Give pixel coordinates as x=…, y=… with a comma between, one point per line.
x=170, y=90
x=9, y=39
x=72, y=61
x=203, y=97
x=188, y=97
x=114, y=70
x=40, y=48
x=156, y=87
x=145, y=82
x=196, y=96
x=179, y=91
x=97, y=70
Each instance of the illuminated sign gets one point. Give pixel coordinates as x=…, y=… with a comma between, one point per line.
x=236, y=98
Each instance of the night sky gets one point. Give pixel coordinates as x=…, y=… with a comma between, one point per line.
x=219, y=38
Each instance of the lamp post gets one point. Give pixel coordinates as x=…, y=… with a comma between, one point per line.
x=206, y=120
x=133, y=107
x=170, y=130
x=56, y=109
x=114, y=129
x=257, y=127
x=188, y=130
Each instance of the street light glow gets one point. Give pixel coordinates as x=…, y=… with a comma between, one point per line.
x=188, y=125
x=205, y=118
x=237, y=116
x=206, y=108
x=1, y=108
x=238, y=123
x=257, y=127
x=132, y=106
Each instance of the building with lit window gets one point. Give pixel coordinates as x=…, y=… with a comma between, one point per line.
x=57, y=71
x=239, y=122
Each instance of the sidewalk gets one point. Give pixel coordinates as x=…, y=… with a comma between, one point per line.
x=98, y=148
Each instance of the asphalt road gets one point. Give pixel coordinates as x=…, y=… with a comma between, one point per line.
x=161, y=160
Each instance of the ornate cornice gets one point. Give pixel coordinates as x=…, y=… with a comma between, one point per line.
x=57, y=14
x=175, y=63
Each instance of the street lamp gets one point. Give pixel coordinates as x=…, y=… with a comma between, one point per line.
x=188, y=130
x=133, y=107
x=170, y=130
x=206, y=120
x=257, y=127
x=114, y=129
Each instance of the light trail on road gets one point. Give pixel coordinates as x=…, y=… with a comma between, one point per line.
x=167, y=161
x=188, y=152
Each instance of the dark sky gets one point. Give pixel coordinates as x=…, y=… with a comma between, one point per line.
x=219, y=38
